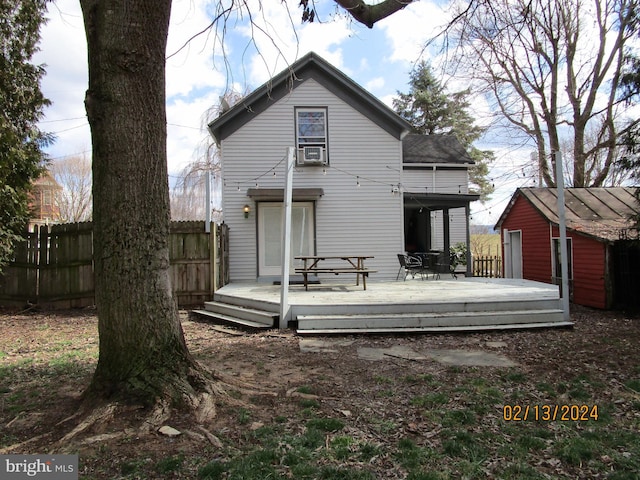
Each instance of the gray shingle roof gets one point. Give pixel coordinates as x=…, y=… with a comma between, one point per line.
x=433, y=149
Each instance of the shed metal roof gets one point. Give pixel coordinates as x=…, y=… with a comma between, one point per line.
x=601, y=212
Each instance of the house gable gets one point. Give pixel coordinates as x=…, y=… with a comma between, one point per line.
x=311, y=66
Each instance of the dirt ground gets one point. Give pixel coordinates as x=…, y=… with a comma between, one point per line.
x=46, y=360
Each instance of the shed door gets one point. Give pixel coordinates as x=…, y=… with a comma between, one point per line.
x=513, y=254
x=270, y=229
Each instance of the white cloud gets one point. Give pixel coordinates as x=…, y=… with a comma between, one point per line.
x=388, y=100
x=64, y=53
x=375, y=84
x=190, y=65
x=408, y=30
x=186, y=130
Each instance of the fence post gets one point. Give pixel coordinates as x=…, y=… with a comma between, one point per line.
x=213, y=257
x=43, y=257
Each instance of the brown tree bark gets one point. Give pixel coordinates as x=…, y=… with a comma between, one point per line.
x=143, y=355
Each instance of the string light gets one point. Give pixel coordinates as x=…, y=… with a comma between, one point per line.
x=395, y=188
x=502, y=179
x=271, y=170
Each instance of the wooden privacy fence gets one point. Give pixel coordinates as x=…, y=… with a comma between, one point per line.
x=53, y=267
x=487, y=266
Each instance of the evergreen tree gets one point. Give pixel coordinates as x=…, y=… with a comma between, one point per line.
x=630, y=91
x=21, y=106
x=432, y=110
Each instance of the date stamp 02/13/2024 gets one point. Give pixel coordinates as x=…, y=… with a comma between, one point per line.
x=550, y=413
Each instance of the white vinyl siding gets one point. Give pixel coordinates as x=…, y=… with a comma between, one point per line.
x=365, y=220
x=436, y=180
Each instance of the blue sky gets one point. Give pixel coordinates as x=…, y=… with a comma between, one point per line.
x=379, y=59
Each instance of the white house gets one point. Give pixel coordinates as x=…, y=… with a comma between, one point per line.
x=362, y=184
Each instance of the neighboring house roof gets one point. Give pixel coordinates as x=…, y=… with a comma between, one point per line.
x=600, y=212
x=46, y=180
x=315, y=67
x=418, y=148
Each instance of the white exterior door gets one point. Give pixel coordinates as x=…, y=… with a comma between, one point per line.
x=513, y=254
x=270, y=230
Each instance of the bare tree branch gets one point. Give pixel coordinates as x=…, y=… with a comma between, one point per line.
x=549, y=65
x=369, y=14
x=74, y=176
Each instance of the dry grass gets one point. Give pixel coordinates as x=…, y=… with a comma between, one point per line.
x=485, y=244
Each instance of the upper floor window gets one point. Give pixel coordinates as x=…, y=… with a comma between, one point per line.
x=311, y=127
x=311, y=136
x=47, y=197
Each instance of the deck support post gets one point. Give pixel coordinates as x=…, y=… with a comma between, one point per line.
x=564, y=261
x=285, y=310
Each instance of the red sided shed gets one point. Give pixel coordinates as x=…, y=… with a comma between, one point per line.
x=598, y=224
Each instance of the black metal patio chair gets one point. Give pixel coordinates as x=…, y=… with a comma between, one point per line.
x=448, y=268
x=410, y=265
x=428, y=262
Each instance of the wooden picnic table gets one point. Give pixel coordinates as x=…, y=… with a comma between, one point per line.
x=355, y=265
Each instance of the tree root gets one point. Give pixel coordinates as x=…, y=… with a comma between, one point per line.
x=99, y=416
x=202, y=405
x=102, y=420
x=215, y=441
x=242, y=387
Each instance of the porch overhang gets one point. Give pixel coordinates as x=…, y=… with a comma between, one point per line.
x=277, y=194
x=439, y=201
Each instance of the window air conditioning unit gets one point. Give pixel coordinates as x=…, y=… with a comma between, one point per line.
x=312, y=156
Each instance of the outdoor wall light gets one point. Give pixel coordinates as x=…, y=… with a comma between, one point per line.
x=246, y=209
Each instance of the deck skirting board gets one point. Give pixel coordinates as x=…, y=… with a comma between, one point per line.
x=477, y=328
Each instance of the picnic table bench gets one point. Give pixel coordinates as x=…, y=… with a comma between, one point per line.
x=355, y=265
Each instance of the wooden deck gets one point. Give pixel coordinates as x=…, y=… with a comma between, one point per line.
x=465, y=304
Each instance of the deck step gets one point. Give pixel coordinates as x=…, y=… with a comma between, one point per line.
x=463, y=328
x=436, y=320
x=243, y=312
x=229, y=320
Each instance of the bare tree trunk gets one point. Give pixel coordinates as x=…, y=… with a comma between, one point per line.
x=143, y=354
